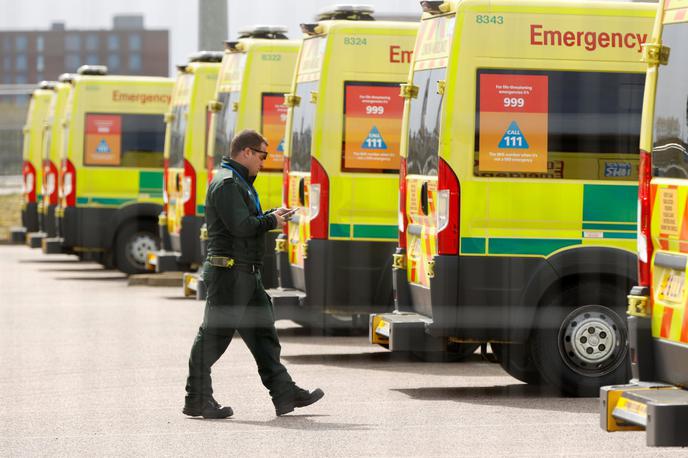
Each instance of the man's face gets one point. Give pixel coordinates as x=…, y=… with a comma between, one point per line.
x=255, y=159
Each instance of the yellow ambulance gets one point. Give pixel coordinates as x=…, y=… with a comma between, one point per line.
x=31, y=155
x=185, y=178
x=657, y=399
x=52, y=141
x=341, y=168
x=257, y=71
x=518, y=187
x=112, y=166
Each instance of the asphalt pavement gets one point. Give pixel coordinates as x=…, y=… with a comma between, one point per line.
x=93, y=367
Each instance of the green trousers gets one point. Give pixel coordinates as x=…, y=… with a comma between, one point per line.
x=236, y=302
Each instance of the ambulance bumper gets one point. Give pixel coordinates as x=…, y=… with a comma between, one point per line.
x=18, y=235
x=403, y=331
x=33, y=239
x=164, y=261
x=52, y=245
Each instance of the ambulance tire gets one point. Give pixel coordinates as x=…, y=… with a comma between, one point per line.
x=515, y=359
x=455, y=353
x=133, y=241
x=581, y=339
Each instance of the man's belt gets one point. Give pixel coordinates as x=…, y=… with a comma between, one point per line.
x=229, y=263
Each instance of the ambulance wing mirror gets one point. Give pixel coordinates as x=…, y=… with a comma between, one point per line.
x=292, y=100
x=408, y=91
x=215, y=106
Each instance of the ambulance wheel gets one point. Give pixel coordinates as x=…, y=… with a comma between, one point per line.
x=134, y=241
x=581, y=338
x=515, y=359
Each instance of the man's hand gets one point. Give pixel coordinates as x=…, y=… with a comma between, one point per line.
x=280, y=221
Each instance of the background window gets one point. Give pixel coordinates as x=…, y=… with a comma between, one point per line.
x=135, y=62
x=72, y=62
x=113, y=42
x=92, y=42
x=20, y=63
x=92, y=59
x=7, y=63
x=135, y=42
x=40, y=63
x=72, y=42
x=40, y=43
x=20, y=43
x=113, y=62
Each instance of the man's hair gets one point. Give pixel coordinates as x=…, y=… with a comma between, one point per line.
x=247, y=138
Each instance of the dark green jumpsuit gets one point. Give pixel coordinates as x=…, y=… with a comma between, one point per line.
x=236, y=300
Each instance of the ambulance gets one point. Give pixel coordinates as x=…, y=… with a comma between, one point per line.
x=656, y=400
x=257, y=70
x=31, y=155
x=341, y=169
x=52, y=141
x=112, y=167
x=185, y=179
x=518, y=187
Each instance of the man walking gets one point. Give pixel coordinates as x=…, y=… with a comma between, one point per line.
x=236, y=298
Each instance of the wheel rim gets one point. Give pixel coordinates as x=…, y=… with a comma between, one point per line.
x=139, y=246
x=592, y=340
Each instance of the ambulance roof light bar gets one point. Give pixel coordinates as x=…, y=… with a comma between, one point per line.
x=66, y=78
x=347, y=12
x=206, y=56
x=46, y=85
x=92, y=70
x=270, y=32
x=434, y=7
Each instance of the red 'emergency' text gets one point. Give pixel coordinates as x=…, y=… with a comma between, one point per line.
x=590, y=41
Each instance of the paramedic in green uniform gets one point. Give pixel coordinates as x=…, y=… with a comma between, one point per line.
x=236, y=298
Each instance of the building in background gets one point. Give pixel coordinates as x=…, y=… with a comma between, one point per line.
x=127, y=49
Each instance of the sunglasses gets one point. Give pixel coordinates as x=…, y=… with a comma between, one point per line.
x=264, y=153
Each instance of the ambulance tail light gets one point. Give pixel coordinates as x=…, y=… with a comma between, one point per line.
x=319, y=198
x=402, y=204
x=165, y=196
x=29, y=182
x=50, y=180
x=448, y=210
x=285, y=190
x=189, y=189
x=644, y=212
x=68, y=183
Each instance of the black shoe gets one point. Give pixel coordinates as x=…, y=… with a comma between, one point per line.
x=297, y=398
x=206, y=408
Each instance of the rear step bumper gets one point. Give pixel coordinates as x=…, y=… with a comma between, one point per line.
x=33, y=239
x=287, y=303
x=164, y=261
x=661, y=410
x=403, y=331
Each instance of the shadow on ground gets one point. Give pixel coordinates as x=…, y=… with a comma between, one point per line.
x=520, y=396
x=304, y=422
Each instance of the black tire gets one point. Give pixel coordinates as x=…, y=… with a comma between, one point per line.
x=516, y=360
x=133, y=242
x=581, y=339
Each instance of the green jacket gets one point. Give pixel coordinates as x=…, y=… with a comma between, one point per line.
x=236, y=225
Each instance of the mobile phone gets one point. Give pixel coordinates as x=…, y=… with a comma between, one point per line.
x=288, y=214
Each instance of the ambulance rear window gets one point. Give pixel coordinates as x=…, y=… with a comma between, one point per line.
x=558, y=124
x=424, y=123
x=670, y=132
x=124, y=140
x=302, y=128
x=180, y=115
x=225, y=123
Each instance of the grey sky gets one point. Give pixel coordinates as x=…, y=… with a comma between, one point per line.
x=179, y=16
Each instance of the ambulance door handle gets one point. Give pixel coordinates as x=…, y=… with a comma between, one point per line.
x=424, y=198
x=178, y=182
x=302, y=192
